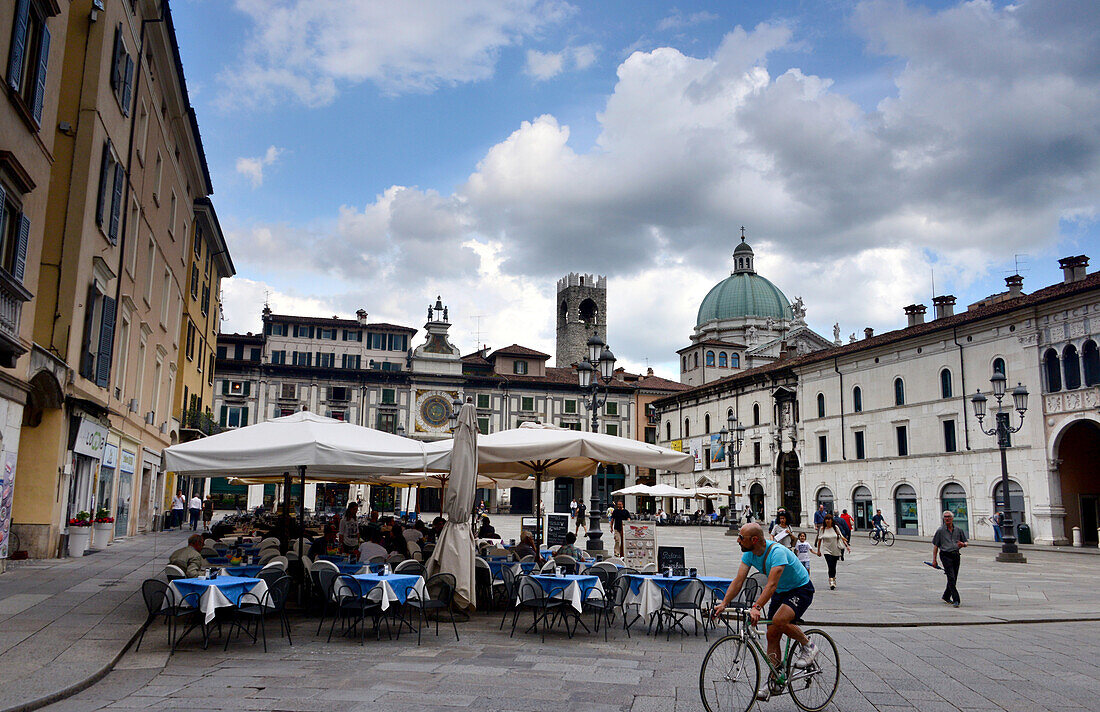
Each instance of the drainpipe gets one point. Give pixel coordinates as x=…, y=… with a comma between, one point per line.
x=843, y=432
x=962, y=383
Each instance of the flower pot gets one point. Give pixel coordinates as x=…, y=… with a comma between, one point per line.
x=101, y=534
x=79, y=537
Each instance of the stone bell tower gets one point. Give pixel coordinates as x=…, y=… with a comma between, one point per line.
x=582, y=313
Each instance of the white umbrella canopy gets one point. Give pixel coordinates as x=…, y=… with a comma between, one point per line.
x=456, y=548
x=325, y=446
x=644, y=490
x=708, y=492
x=663, y=490
x=437, y=480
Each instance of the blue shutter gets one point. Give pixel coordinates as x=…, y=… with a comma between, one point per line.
x=19, y=263
x=104, y=179
x=116, y=204
x=106, y=342
x=87, y=358
x=116, y=57
x=127, y=85
x=18, y=42
x=40, y=80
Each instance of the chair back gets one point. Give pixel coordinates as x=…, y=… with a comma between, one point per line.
x=528, y=558
x=650, y=568
x=209, y=551
x=209, y=542
x=270, y=575
x=279, y=591
x=346, y=588
x=530, y=590
x=154, y=591
x=173, y=572
x=626, y=571
x=566, y=562
x=394, y=558
x=509, y=579
x=620, y=590
x=264, y=543
x=280, y=561
x=750, y=591
x=326, y=577
x=615, y=560
x=410, y=566
x=441, y=587
x=376, y=560
x=267, y=555
x=323, y=565
x=548, y=567
x=688, y=591
x=602, y=574
x=307, y=563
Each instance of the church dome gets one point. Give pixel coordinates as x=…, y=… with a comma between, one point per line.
x=743, y=294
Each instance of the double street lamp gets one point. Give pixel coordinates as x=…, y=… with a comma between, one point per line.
x=598, y=367
x=733, y=437
x=1003, y=429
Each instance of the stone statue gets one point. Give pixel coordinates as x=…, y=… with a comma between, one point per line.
x=430, y=312
x=851, y=338
x=836, y=333
x=769, y=323
x=445, y=315
x=752, y=335
x=798, y=309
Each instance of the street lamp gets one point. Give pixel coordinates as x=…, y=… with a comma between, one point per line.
x=1002, y=429
x=733, y=436
x=599, y=366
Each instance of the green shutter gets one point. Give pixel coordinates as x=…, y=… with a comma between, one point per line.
x=244, y=416
x=224, y=414
x=225, y=386
x=247, y=387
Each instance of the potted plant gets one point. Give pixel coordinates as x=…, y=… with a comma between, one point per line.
x=80, y=533
x=101, y=528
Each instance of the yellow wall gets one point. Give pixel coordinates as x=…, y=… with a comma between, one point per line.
x=37, y=499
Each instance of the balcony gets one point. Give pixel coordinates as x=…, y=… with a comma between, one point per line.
x=201, y=423
x=12, y=296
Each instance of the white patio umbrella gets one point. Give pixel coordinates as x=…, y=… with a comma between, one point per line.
x=456, y=548
x=663, y=490
x=708, y=492
x=549, y=452
x=644, y=490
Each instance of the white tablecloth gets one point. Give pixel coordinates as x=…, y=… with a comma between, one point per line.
x=213, y=599
x=384, y=592
x=574, y=593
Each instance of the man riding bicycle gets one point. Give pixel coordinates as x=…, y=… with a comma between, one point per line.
x=788, y=590
x=879, y=523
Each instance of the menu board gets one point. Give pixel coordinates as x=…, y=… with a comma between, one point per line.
x=670, y=556
x=640, y=544
x=556, y=527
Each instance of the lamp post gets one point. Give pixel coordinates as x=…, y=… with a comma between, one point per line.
x=1002, y=429
x=599, y=366
x=733, y=436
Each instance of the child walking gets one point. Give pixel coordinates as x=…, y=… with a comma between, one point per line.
x=803, y=550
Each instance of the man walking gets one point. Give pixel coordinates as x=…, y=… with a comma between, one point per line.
x=618, y=516
x=178, y=504
x=579, y=514
x=195, y=505
x=819, y=517
x=947, y=542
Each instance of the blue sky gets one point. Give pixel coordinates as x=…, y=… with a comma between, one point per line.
x=375, y=154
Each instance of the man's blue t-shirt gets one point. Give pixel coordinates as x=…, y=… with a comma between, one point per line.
x=794, y=573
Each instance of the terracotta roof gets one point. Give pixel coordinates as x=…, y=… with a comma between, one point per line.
x=336, y=321
x=657, y=383
x=477, y=359
x=1041, y=296
x=517, y=350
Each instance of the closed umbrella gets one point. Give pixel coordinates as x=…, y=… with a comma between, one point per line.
x=456, y=548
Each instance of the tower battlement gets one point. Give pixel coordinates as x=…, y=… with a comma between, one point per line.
x=581, y=314
x=576, y=279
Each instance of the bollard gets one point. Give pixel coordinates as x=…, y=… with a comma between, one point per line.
x=1077, y=537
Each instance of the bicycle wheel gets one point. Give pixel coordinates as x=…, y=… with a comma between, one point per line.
x=814, y=687
x=872, y=537
x=730, y=676
x=888, y=538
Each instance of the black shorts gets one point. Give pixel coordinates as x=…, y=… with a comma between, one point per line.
x=799, y=599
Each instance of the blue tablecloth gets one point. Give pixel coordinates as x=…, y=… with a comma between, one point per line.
x=351, y=569
x=573, y=588
x=217, y=560
x=230, y=586
x=714, y=583
x=333, y=559
x=393, y=587
x=496, y=566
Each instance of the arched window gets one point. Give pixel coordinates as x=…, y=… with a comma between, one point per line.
x=821, y=405
x=1053, y=371
x=899, y=392
x=723, y=360
x=735, y=361
x=1091, y=361
x=687, y=428
x=756, y=414
x=685, y=363
x=740, y=263
x=710, y=358
x=999, y=366
x=945, y=383
x=729, y=412
x=668, y=430
x=857, y=399
x=1071, y=365
x=706, y=423
x=696, y=359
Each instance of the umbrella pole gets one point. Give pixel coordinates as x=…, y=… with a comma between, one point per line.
x=301, y=509
x=286, y=511
x=538, y=508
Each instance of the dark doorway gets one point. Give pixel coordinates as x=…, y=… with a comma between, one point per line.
x=522, y=501
x=563, y=494
x=756, y=501
x=790, y=482
x=1079, y=451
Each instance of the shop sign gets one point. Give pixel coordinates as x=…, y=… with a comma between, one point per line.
x=126, y=461
x=110, y=455
x=90, y=439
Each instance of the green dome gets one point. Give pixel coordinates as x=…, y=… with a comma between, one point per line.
x=743, y=294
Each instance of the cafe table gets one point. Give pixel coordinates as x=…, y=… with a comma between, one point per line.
x=220, y=592
x=386, y=588
x=645, y=589
x=574, y=588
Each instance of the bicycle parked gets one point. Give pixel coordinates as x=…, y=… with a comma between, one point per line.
x=731, y=670
x=885, y=536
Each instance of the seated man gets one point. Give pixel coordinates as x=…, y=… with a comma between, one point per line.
x=373, y=546
x=326, y=544
x=569, y=548
x=189, y=558
x=487, y=531
x=437, y=528
x=788, y=590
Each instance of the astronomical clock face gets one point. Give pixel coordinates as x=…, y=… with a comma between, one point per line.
x=433, y=411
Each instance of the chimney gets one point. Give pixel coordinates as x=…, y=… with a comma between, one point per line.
x=361, y=317
x=649, y=372
x=868, y=332
x=1015, y=286
x=944, y=306
x=915, y=314
x=1073, y=268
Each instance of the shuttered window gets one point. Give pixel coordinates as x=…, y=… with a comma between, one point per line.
x=28, y=58
x=15, y=230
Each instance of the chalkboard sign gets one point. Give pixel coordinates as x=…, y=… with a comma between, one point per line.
x=670, y=556
x=556, y=527
x=528, y=524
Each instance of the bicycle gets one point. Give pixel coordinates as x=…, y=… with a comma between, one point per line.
x=730, y=674
x=885, y=536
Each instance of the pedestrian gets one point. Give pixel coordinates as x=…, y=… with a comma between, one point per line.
x=746, y=515
x=996, y=520
x=207, y=512
x=831, y=544
x=178, y=505
x=803, y=550
x=580, y=514
x=848, y=521
x=879, y=523
x=349, y=529
x=618, y=516
x=946, y=544
x=819, y=517
x=781, y=530
x=573, y=507
x=195, y=507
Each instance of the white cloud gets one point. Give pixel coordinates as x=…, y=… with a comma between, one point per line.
x=307, y=49
x=986, y=146
x=547, y=65
x=243, y=299
x=253, y=168
x=678, y=20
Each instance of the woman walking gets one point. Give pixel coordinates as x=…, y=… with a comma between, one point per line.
x=349, y=529
x=781, y=531
x=831, y=544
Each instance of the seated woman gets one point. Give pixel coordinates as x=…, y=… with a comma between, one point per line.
x=396, y=541
x=487, y=531
x=526, y=547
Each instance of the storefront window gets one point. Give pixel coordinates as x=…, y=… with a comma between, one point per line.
x=905, y=504
x=953, y=499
